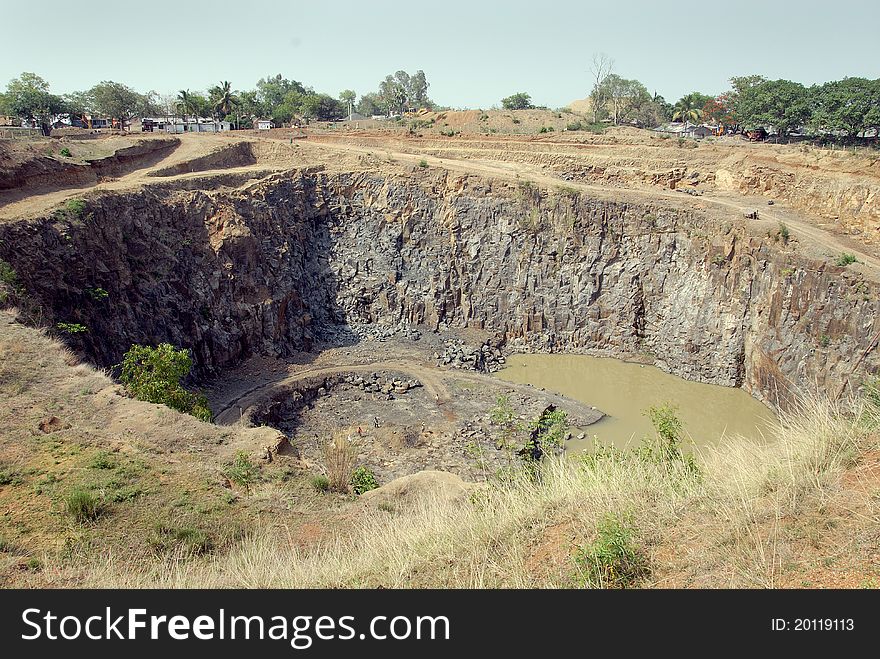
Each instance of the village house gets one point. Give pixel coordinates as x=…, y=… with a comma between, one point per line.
x=178, y=125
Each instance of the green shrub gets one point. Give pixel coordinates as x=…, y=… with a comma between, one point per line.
x=846, y=259
x=548, y=435
x=423, y=164
x=783, y=232
x=575, y=125
x=76, y=207
x=321, y=483
x=7, y=274
x=102, y=460
x=97, y=294
x=34, y=564
x=516, y=121
x=66, y=153
x=242, y=471
x=10, y=477
x=612, y=560
x=824, y=340
x=363, y=480
x=546, y=129
x=666, y=447
x=71, y=328
x=83, y=505
x=189, y=540
x=154, y=374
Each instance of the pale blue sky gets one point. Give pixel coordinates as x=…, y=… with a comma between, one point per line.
x=473, y=52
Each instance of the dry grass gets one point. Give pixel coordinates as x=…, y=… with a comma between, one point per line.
x=494, y=539
x=339, y=456
x=756, y=515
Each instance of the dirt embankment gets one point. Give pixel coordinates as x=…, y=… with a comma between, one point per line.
x=41, y=171
x=240, y=154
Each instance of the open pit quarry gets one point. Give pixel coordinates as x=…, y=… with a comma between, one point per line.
x=372, y=281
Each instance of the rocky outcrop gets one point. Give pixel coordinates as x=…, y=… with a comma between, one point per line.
x=305, y=257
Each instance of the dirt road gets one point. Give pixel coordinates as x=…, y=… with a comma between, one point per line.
x=23, y=204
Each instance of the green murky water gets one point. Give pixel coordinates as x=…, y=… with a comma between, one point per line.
x=624, y=391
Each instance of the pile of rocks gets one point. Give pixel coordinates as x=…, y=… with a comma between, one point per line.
x=383, y=332
x=385, y=385
x=486, y=358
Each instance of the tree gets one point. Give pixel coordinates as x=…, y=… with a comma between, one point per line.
x=625, y=97
x=602, y=67
x=520, y=101
x=322, y=107
x=273, y=90
x=741, y=85
x=393, y=93
x=249, y=107
x=690, y=107
x=222, y=99
x=849, y=106
x=28, y=97
x=401, y=92
x=663, y=107
x=781, y=104
x=290, y=107
x=370, y=104
x=78, y=104
x=347, y=97
x=193, y=104
x=418, y=90
x=117, y=101
x=719, y=110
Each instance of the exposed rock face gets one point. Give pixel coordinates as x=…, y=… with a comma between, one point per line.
x=305, y=257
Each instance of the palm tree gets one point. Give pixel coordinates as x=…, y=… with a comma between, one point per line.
x=224, y=99
x=185, y=103
x=689, y=108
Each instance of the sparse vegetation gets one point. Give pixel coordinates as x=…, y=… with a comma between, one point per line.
x=76, y=207
x=783, y=232
x=423, y=164
x=9, y=285
x=83, y=505
x=242, y=472
x=97, y=294
x=102, y=460
x=154, y=375
x=181, y=540
x=613, y=559
x=846, y=259
x=66, y=153
x=71, y=328
x=320, y=483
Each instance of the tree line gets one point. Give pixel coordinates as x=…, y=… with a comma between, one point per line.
x=841, y=108
x=274, y=97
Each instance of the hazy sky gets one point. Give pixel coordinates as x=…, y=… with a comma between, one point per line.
x=473, y=52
